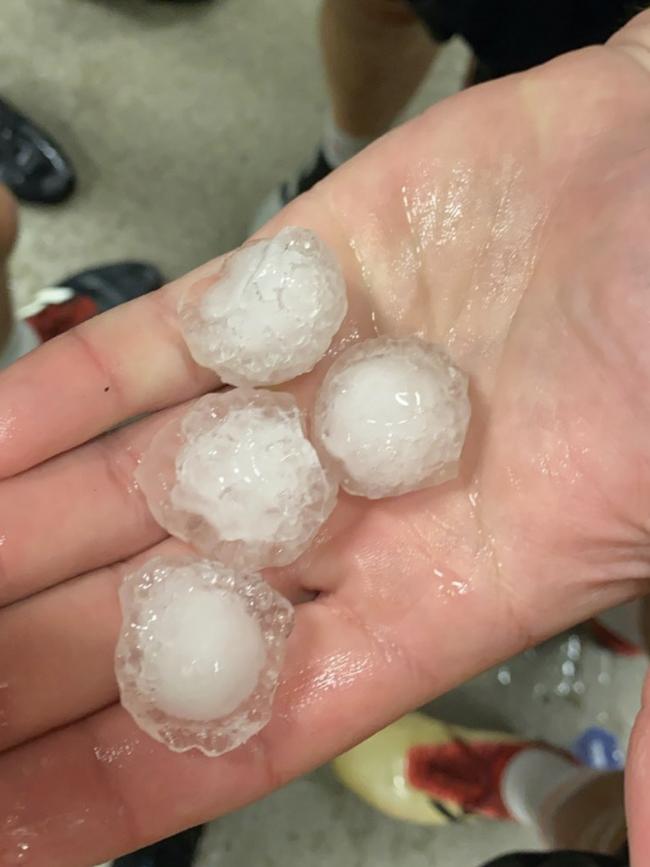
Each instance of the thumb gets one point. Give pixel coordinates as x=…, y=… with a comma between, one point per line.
x=637, y=784
x=634, y=39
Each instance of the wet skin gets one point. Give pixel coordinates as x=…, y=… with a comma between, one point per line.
x=511, y=224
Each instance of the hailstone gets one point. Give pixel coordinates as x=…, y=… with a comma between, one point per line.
x=271, y=312
x=237, y=478
x=200, y=652
x=392, y=415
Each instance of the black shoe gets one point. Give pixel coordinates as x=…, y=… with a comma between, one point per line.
x=81, y=296
x=110, y=285
x=32, y=164
x=284, y=193
x=314, y=173
x=177, y=851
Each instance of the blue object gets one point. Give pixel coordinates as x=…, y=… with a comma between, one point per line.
x=599, y=749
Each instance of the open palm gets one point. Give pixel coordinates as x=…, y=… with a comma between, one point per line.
x=510, y=224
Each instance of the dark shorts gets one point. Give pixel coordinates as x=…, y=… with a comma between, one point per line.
x=512, y=35
x=558, y=859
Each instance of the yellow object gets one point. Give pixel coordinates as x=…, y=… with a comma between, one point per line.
x=375, y=769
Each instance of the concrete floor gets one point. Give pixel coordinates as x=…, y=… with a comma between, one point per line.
x=179, y=120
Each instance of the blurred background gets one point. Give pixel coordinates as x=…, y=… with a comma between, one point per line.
x=556, y=692
x=179, y=119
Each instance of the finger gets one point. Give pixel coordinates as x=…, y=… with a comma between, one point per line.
x=637, y=768
x=133, y=360
x=634, y=40
x=57, y=649
x=105, y=517
x=355, y=661
x=101, y=787
x=125, y=362
x=129, y=361
x=87, y=500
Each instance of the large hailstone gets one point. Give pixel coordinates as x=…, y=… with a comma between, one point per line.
x=271, y=312
x=392, y=414
x=200, y=652
x=237, y=478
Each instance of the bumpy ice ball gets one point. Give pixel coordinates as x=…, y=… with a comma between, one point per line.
x=271, y=312
x=392, y=414
x=237, y=478
x=200, y=652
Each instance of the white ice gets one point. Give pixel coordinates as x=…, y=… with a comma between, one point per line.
x=271, y=312
x=392, y=414
x=238, y=478
x=200, y=652
x=202, y=672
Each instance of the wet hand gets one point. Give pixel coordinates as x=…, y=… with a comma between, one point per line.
x=509, y=224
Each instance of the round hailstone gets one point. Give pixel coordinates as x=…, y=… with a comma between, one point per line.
x=200, y=652
x=271, y=312
x=238, y=479
x=392, y=414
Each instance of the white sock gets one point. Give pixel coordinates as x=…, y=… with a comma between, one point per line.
x=22, y=340
x=339, y=146
x=534, y=774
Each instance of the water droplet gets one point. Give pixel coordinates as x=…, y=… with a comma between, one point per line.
x=574, y=647
x=21, y=853
x=539, y=690
x=504, y=677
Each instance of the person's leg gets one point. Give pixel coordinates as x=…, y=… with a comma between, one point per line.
x=573, y=807
x=375, y=53
x=588, y=817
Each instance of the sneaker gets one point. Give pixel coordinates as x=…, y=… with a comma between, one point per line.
x=32, y=164
x=80, y=296
x=289, y=190
x=422, y=770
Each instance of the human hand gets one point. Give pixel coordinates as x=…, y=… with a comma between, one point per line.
x=509, y=224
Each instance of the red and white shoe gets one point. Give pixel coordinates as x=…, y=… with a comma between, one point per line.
x=78, y=297
x=422, y=770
